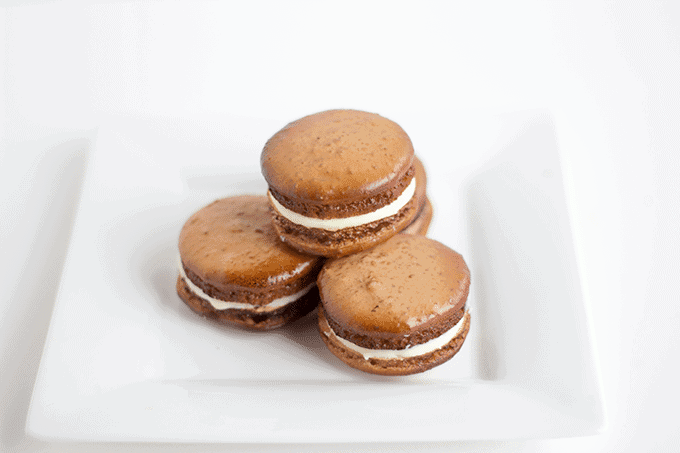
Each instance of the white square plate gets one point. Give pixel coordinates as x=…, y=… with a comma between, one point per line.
x=125, y=359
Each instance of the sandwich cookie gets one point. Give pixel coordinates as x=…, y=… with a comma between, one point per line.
x=340, y=181
x=396, y=309
x=234, y=269
x=421, y=223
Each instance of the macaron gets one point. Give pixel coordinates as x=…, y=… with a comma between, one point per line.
x=234, y=269
x=421, y=222
x=340, y=181
x=396, y=309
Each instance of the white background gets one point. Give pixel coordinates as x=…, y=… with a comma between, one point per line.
x=607, y=71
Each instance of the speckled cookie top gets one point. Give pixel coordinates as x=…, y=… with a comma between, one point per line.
x=231, y=243
x=403, y=285
x=337, y=155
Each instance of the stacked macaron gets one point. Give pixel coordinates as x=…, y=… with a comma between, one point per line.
x=346, y=210
x=341, y=181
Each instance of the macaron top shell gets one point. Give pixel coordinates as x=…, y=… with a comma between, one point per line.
x=232, y=244
x=398, y=289
x=337, y=156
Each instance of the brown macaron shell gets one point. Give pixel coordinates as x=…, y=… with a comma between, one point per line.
x=346, y=241
x=340, y=164
x=230, y=250
x=393, y=367
x=329, y=164
x=421, y=223
x=399, y=294
x=258, y=321
x=421, y=182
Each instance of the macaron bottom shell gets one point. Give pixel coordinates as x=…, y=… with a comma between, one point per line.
x=345, y=241
x=267, y=320
x=393, y=366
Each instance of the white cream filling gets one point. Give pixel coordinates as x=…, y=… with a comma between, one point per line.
x=411, y=351
x=348, y=222
x=225, y=305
